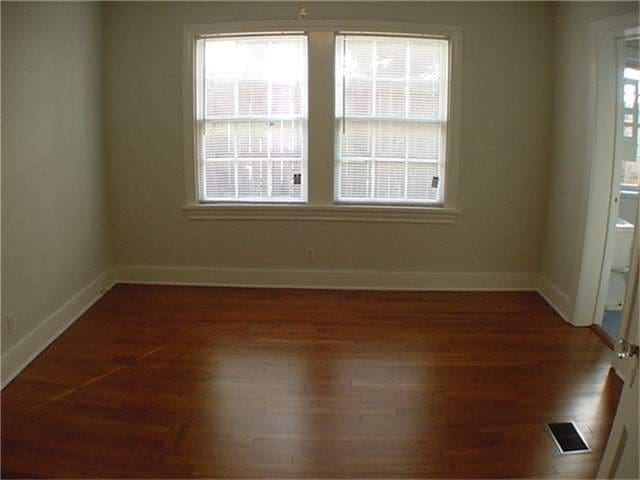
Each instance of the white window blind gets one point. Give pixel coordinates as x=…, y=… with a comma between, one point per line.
x=391, y=115
x=252, y=118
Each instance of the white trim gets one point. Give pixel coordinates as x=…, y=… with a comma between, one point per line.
x=317, y=118
x=615, y=186
x=449, y=126
x=434, y=30
x=556, y=298
x=189, y=106
x=335, y=213
x=30, y=346
x=615, y=23
x=18, y=357
x=326, y=279
x=602, y=103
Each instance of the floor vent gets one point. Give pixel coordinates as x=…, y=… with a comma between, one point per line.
x=567, y=438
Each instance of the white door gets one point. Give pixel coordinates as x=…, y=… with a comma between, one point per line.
x=620, y=459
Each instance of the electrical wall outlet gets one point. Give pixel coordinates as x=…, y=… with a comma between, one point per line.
x=309, y=254
x=11, y=322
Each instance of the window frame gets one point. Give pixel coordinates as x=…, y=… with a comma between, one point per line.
x=439, y=202
x=199, y=95
x=321, y=204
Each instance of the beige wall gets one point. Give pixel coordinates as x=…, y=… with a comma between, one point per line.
x=54, y=192
x=54, y=226
x=569, y=181
x=507, y=98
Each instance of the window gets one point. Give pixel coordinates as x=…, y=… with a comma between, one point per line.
x=252, y=104
x=322, y=120
x=391, y=114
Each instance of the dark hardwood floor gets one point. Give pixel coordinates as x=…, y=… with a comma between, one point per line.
x=158, y=381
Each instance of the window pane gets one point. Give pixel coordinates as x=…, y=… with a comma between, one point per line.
x=390, y=180
x=391, y=141
x=359, y=101
x=394, y=91
x=252, y=139
x=254, y=98
x=424, y=100
x=392, y=59
x=220, y=98
x=630, y=172
x=358, y=57
x=220, y=179
x=286, y=99
x=355, y=180
x=424, y=142
x=426, y=60
x=421, y=180
x=630, y=94
x=390, y=99
x=286, y=139
x=356, y=140
x=218, y=141
x=283, y=178
x=252, y=179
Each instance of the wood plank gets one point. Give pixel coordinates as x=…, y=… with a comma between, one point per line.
x=160, y=381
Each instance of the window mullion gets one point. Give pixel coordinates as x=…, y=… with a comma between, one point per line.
x=321, y=119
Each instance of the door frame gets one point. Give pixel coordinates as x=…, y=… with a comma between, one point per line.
x=615, y=187
x=602, y=131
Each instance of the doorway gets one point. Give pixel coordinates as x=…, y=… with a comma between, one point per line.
x=614, y=278
x=613, y=191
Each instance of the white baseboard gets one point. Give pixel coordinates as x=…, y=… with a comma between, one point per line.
x=335, y=279
x=29, y=347
x=556, y=298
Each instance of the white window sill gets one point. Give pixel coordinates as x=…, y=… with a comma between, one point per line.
x=331, y=213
